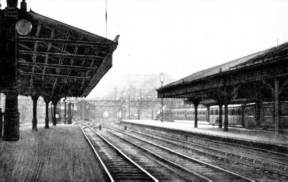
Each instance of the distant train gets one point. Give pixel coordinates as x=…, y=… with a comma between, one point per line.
x=238, y=115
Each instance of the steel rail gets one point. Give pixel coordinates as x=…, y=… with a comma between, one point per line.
x=241, y=145
x=172, y=140
x=221, y=154
x=192, y=159
x=133, y=162
x=166, y=160
x=96, y=153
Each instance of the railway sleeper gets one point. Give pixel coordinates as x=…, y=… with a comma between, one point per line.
x=229, y=156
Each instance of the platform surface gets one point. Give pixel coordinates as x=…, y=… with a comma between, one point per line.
x=60, y=153
x=261, y=136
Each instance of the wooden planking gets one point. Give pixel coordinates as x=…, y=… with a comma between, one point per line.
x=57, y=154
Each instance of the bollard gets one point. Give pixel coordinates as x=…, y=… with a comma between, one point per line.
x=99, y=127
x=125, y=128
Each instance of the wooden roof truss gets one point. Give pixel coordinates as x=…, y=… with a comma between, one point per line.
x=58, y=59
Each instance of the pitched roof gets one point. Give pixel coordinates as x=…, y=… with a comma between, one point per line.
x=252, y=59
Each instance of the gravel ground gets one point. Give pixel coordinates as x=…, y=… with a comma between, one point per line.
x=57, y=154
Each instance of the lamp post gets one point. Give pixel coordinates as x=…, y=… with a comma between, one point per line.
x=129, y=104
x=162, y=81
x=129, y=90
x=65, y=111
x=139, y=106
x=122, y=109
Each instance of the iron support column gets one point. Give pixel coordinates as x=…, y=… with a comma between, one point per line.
x=276, y=106
x=208, y=114
x=46, y=112
x=9, y=70
x=196, y=103
x=162, y=110
x=220, y=115
x=226, y=117
x=65, y=110
x=11, y=117
x=1, y=122
x=54, y=112
x=34, y=119
x=69, y=113
x=243, y=115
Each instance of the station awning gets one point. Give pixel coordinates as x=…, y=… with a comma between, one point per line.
x=243, y=76
x=58, y=60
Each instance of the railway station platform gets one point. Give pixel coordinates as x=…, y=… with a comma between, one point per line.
x=267, y=138
x=59, y=153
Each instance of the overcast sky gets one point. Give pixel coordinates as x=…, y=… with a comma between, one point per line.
x=177, y=37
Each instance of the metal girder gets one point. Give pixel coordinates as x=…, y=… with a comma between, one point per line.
x=72, y=56
x=54, y=75
x=57, y=66
x=64, y=41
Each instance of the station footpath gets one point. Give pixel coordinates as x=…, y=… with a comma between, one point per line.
x=250, y=135
x=59, y=153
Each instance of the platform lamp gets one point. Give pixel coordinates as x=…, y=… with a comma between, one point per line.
x=162, y=110
x=128, y=94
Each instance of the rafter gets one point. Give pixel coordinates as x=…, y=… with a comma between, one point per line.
x=47, y=56
x=34, y=56
x=86, y=52
x=60, y=49
x=61, y=59
x=71, y=56
x=65, y=41
x=82, y=86
x=72, y=61
x=25, y=47
x=54, y=75
x=57, y=66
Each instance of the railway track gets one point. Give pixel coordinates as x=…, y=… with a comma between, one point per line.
x=116, y=164
x=266, y=159
x=228, y=145
x=162, y=169
x=232, y=161
x=259, y=164
x=205, y=170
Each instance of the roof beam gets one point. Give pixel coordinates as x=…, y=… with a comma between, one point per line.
x=47, y=56
x=64, y=41
x=86, y=52
x=57, y=66
x=71, y=56
x=76, y=48
x=61, y=60
x=25, y=47
x=54, y=75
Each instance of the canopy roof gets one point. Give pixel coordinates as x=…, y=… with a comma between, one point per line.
x=60, y=60
x=260, y=66
x=217, y=69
